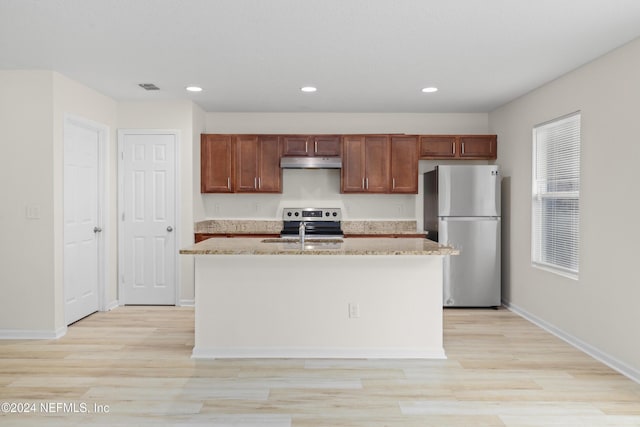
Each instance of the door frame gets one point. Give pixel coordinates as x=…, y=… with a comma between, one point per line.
x=103, y=205
x=121, y=135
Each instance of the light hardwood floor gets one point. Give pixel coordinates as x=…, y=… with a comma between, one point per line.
x=501, y=371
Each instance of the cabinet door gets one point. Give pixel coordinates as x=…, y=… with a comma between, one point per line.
x=295, y=145
x=216, y=164
x=352, y=173
x=270, y=172
x=438, y=146
x=247, y=160
x=404, y=164
x=478, y=147
x=326, y=145
x=377, y=164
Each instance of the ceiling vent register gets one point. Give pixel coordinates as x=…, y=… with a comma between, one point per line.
x=148, y=86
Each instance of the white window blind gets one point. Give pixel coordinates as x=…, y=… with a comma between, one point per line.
x=556, y=195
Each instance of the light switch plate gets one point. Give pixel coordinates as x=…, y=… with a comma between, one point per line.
x=33, y=212
x=354, y=310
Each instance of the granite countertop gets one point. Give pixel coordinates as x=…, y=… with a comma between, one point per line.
x=347, y=246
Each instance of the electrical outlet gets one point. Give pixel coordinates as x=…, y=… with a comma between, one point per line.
x=354, y=310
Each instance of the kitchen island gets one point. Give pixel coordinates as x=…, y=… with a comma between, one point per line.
x=347, y=298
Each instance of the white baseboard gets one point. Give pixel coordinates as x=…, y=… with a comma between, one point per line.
x=187, y=303
x=610, y=361
x=25, y=334
x=112, y=305
x=61, y=332
x=316, y=353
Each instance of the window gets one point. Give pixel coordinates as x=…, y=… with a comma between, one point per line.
x=556, y=195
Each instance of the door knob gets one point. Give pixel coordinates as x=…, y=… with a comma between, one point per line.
x=97, y=229
x=169, y=229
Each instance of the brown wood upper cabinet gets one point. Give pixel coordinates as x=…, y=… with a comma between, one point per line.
x=217, y=161
x=240, y=164
x=311, y=145
x=483, y=147
x=404, y=164
x=365, y=164
x=380, y=164
x=258, y=164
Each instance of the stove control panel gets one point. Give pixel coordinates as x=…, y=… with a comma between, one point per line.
x=311, y=214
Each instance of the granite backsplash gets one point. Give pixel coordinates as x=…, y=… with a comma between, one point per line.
x=239, y=226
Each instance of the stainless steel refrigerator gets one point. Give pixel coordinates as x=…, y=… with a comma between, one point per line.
x=462, y=209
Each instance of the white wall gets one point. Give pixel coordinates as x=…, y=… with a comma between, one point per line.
x=32, y=108
x=181, y=116
x=26, y=172
x=322, y=187
x=601, y=308
x=199, y=117
x=345, y=123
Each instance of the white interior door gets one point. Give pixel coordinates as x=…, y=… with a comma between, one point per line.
x=82, y=230
x=148, y=218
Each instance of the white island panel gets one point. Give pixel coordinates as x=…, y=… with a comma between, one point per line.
x=298, y=306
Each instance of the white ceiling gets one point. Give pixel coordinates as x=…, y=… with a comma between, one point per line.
x=363, y=55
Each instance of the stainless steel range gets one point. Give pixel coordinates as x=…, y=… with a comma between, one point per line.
x=317, y=223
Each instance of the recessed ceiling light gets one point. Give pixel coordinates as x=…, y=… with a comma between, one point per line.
x=430, y=89
x=194, y=88
x=308, y=89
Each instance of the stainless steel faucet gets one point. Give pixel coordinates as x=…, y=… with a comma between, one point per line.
x=301, y=231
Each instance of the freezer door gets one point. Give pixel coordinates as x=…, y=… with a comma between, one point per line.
x=468, y=190
x=471, y=279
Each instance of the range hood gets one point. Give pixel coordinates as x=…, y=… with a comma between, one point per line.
x=311, y=162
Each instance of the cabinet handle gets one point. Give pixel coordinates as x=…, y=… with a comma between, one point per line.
x=363, y=183
x=315, y=146
x=367, y=181
x=453, y=148
x=259, y=182
x=306, y=146
x=393, y=183
x=462, y=152
x=229, y=183
x=255, y=182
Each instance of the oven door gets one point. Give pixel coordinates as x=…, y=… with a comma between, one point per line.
x=314, y=229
